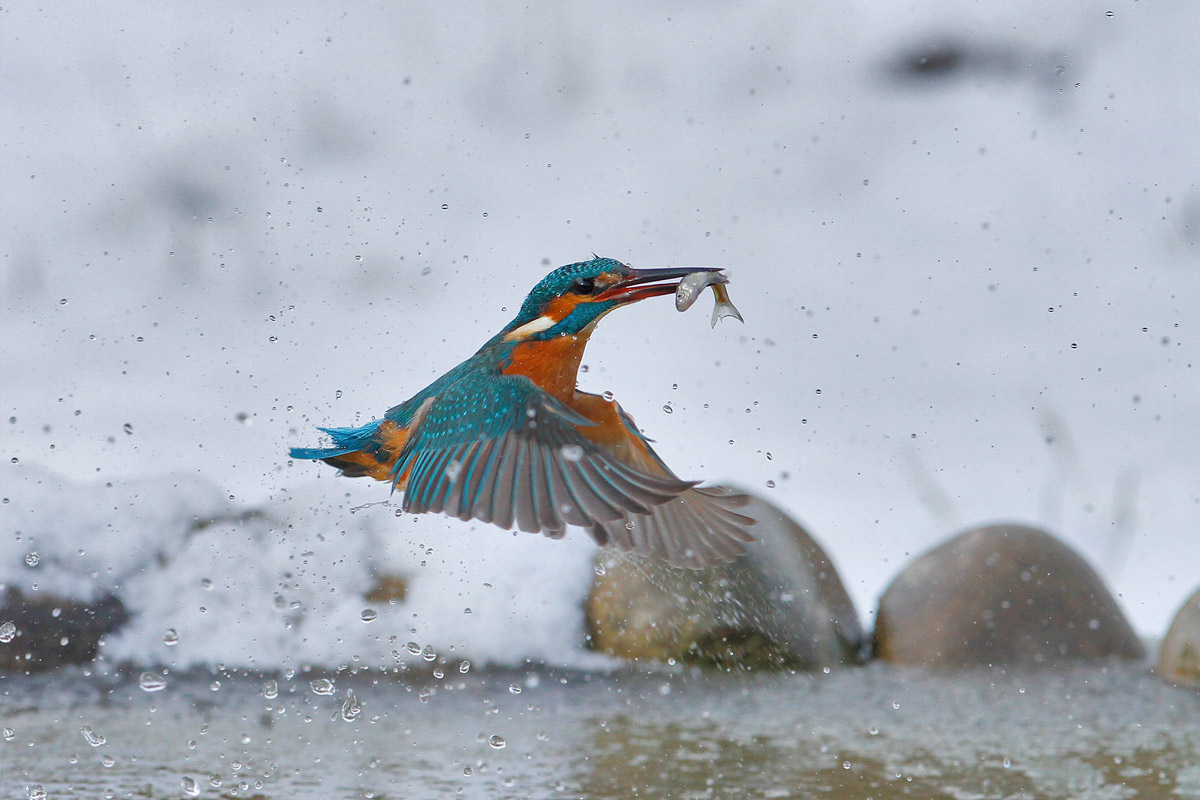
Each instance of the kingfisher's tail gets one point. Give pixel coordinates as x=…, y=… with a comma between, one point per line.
x=355, y=451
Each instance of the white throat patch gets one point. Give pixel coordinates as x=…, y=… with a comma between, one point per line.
x=529, y=328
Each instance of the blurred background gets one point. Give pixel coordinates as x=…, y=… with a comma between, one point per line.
x=963, y=237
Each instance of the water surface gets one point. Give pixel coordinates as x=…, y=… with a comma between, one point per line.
x=1113, y=731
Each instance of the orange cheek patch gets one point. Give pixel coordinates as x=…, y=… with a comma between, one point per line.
x=561, y=307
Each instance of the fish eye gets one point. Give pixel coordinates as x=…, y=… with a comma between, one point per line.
x=584, y=286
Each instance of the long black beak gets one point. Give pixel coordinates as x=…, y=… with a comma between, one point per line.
x=650, y=283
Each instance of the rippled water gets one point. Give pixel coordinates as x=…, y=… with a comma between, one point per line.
x=1106, y=732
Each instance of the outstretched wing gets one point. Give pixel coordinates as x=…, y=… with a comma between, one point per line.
x=698, y=527
x=510, y=453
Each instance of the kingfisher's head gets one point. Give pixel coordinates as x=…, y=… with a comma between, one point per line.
x=571, y=299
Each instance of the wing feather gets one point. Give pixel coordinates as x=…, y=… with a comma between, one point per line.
x=524, y=501
x=502, y=485
x=508, y=453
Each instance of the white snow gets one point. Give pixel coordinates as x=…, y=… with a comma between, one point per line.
x=965, y=301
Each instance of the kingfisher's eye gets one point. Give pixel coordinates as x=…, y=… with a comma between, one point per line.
x=584, y=286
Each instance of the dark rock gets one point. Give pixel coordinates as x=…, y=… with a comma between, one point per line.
x=1001, y=595
x=780, y=605
x=1179, y=656
x=55, y=631
x=388, y=588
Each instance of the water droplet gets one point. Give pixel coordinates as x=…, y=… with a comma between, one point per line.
x=35, y=791
x=129, y=428
x=445, y=206
x=464, y=667
x=108, y=761
x=496, y=742
x=337, y=395
x=170, y=638
x=322, y=686
x=93, y=738
x=845, y=765
x=152, y=682
x=514, y=688
x=667, y=409
x=189, y=785
x=32, y=559
x=873, y=731
x=467, y=610
x=608, y=396
x=206, y=584
x=770, y=484
x=368, y=615
x=351, y=709
x=571, y=452
x=271, y=689
x=8, y=632
x=9, y=734
x=600, y=569
x=428, y=654
x=62, y=302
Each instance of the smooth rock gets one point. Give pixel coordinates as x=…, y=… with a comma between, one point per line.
x=1179, y=655
x=1001, y=595
x=780, y=605
x=54, y=631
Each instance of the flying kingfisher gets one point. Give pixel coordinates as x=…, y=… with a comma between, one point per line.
x=506, y=436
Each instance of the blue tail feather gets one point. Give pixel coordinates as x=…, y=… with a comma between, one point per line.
x=345, y=440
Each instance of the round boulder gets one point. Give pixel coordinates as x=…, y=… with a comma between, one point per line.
x=1179, y=656
x=1002, y=595
x=779, y=605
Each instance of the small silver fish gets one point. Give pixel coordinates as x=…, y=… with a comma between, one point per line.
x=723, y=306
x=693, y=284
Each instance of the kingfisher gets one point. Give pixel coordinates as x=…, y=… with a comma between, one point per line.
x=507, y=437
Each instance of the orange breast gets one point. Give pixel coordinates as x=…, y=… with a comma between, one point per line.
x=610, y=432
x=552, y=364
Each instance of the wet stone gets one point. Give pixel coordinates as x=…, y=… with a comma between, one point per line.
x=1179, y=655
x=779, y=605
x=388, y=589
x=54, y=631
x=1002, y=595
